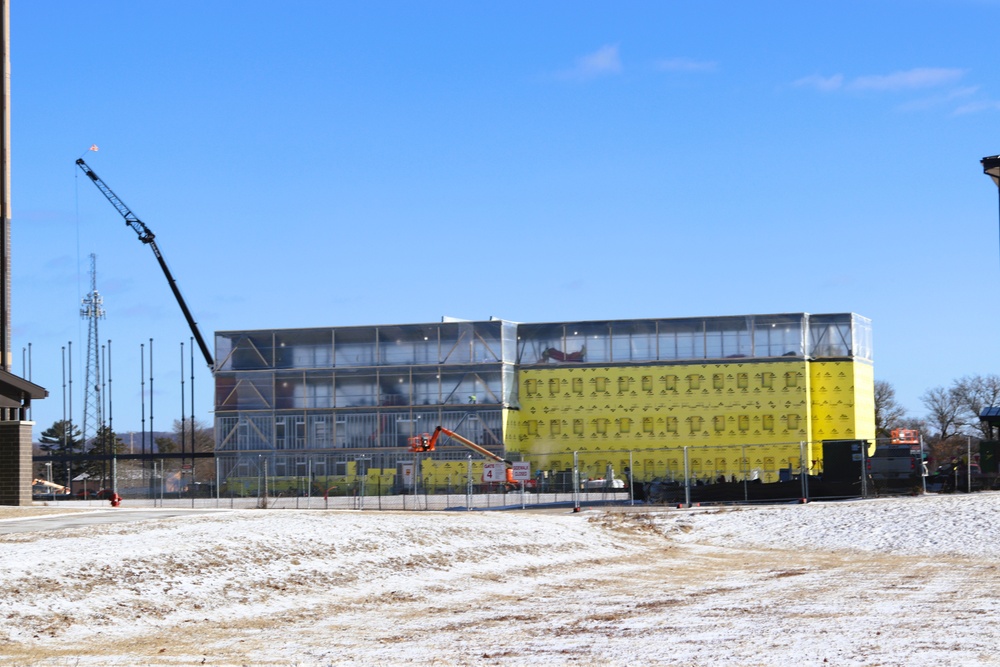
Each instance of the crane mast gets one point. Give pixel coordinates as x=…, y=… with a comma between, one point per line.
x=147, y=236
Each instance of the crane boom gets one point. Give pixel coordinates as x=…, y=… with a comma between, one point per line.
x=148, y=237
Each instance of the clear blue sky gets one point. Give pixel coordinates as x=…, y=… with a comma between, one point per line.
x=321, y=163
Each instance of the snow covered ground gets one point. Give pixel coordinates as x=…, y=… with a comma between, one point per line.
x=893, y=581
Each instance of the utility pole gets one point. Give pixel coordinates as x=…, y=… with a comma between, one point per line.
x=5, y=209
x=15, y=423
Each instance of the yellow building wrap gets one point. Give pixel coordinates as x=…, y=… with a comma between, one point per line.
x=454, y=475
x=378, y=481
x=737, y=419
x=843, y=401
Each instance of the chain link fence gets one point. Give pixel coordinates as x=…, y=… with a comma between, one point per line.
x=681, y=476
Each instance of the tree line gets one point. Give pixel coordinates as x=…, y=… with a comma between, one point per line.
x=65, y=442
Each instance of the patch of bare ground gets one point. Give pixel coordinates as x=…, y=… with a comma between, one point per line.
x=653, y=601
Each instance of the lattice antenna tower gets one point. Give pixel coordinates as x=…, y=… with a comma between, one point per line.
x=92, y=311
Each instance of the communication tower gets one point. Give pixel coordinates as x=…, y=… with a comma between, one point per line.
x=92, y=311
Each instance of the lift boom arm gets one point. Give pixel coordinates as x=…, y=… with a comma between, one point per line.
x=146, y=236
x=424, y=444
x=465, y=441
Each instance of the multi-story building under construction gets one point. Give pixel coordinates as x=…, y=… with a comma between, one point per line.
x=739, y=396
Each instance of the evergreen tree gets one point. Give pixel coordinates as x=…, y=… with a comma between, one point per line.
x=105, y=443
x=165, y=444
x=62, y=439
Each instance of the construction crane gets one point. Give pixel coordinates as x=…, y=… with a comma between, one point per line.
x=428, y=443
x=146, y=236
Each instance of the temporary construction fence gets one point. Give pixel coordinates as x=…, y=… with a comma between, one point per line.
x=682, y=476
x=168, y=486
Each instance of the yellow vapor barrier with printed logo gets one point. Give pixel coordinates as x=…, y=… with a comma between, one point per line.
x=843, y=400
x=721, y=406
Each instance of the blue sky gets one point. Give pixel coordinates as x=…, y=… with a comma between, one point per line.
x=329, y=163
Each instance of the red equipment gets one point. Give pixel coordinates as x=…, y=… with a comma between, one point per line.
x=559, y=355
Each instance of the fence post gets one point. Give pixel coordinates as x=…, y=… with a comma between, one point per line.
x=631, y=494
x=923, y=475
x=745, y=465
x=803, y=469
x=864, y=468
x=576, y=481
x=413, y=481
x=468, y=485
x=364, y=489
x=687, y=478
x=968, y=464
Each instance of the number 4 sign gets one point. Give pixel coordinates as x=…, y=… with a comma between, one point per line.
x=494, y=472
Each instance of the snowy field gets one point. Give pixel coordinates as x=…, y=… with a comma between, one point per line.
x=907, y=581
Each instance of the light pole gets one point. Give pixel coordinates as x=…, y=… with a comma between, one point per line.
x=991, y=167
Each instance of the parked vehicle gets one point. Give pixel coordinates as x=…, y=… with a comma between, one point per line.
x=601, y=483
x=956, y=476
x=895, y=466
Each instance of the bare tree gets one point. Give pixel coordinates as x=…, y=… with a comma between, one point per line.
x=975, y=392
x=888, y=412
x=201, y=440
x=920, y=425
x=204, y=441
x=946, y=415
x=945, y=411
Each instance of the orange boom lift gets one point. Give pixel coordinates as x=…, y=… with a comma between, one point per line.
x=427, y=443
